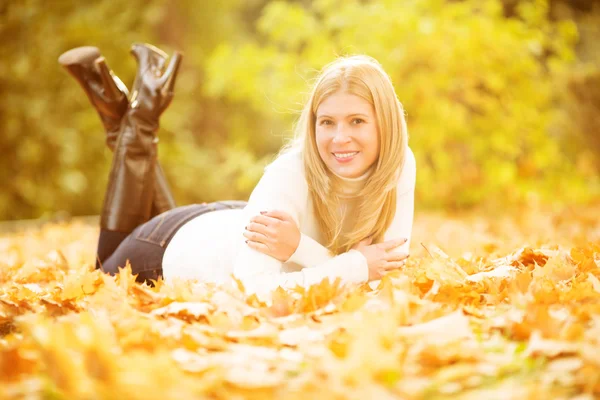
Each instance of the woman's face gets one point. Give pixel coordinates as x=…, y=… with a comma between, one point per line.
x=347, y=134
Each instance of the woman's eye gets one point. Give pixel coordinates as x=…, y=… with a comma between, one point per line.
x=325, y=122
x=357, y=121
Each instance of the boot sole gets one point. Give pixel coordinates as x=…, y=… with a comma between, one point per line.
x=79, y=55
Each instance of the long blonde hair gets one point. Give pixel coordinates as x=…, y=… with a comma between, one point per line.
x=364, y=77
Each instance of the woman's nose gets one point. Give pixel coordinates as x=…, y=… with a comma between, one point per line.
x=341, y=135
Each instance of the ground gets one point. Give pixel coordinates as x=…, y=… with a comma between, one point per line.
x=491, y=305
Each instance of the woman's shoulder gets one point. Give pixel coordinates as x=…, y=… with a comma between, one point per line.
x=409, y=160
x=289, y=161
x=408, y=174
x=287, y=170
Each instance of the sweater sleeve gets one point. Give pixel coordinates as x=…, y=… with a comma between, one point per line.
x=401, y=226
x=350, y=267
x=283, y=187
x=310, y=252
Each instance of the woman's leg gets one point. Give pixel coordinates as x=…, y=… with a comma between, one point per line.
x=137, y=189
x=108, y=95
x=130, y=191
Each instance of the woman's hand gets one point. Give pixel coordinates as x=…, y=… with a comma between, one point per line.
x=379, y=257
x=273, y=233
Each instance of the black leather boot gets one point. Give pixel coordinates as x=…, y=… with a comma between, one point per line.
x=108, y=95
x=129, y=195
x=151, y=57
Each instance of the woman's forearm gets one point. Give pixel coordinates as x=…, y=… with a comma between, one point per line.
x=350, y=267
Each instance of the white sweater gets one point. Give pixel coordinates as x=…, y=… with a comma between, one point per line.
x=211, y=246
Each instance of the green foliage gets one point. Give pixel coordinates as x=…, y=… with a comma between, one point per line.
x=479, y=88
x=54, y=156
x=481, y=92
x=579, y=119
x=52, y=144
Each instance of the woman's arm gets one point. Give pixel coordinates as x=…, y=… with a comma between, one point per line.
x=261, y=273
x=288, y=244
x=350, y=267
x=283, y=188
x=276, y=234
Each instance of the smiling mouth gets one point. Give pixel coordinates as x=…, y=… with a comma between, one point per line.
x=346, y=155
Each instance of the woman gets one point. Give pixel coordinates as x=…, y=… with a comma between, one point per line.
x=338, y=203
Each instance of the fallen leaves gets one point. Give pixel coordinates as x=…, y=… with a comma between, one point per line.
x=521, y=324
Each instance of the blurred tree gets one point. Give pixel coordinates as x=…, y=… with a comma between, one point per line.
x=481, y=91
x=54, y=157
x=580, y=110
x=478, y=87
x=52, y=143
x=213, y=148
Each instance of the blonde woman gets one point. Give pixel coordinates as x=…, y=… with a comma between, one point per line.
x=337, y=203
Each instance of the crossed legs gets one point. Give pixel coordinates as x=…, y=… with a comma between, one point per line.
x=137, y=189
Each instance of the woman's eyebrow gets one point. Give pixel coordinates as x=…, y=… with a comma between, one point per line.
x=347, y=116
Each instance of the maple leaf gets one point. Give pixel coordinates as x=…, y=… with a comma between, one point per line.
x=191, y=311
x=594, y=281
x=282, y=303
x=80, y=283
x=353, y=301
x=319, y=295
x=586, y=258
x=528, y=319
x=454, y=326
x=443, y=267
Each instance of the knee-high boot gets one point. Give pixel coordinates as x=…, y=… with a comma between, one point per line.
x=131, y=186
x=108, y=95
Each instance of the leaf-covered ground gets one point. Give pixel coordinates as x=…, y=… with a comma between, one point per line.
x=488, y=307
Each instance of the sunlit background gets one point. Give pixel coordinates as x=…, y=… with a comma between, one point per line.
x=502, y=96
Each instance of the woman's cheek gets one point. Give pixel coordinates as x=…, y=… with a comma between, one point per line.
x=322, y=143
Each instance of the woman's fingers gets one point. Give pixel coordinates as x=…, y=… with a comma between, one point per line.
x=263, y=248
x=265, y=220
x=396, y=257
x=256, y=237
x=394, y=265
x=258, y=228
x=391, y=244
x=280, y=215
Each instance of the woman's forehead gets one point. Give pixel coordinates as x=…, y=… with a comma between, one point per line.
x=342, y=104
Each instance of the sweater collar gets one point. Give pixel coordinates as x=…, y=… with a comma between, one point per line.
x=350, y=187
